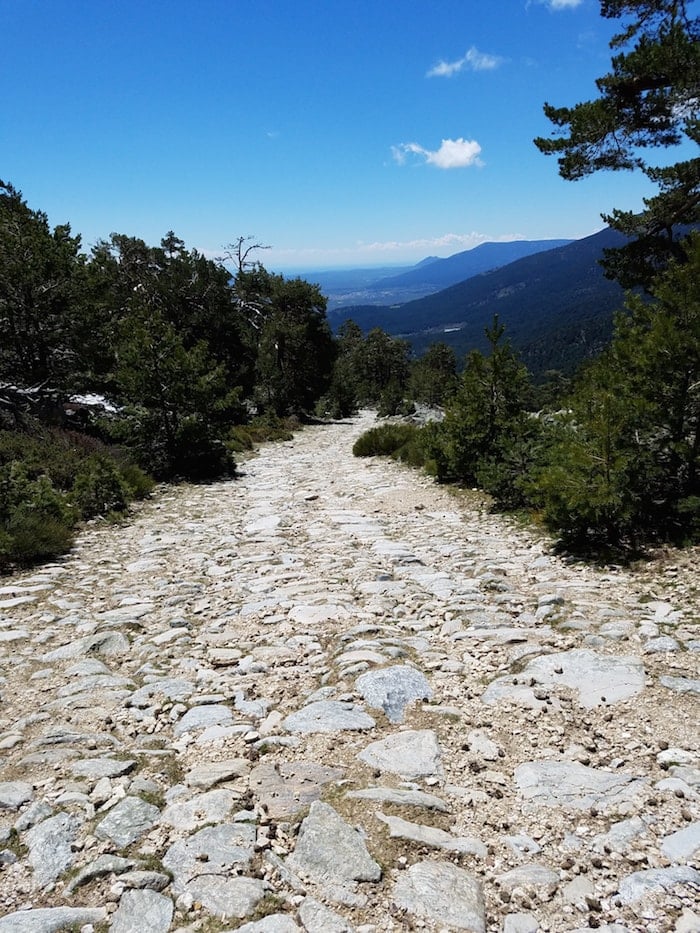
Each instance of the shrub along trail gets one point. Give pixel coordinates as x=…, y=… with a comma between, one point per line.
x=331, y=695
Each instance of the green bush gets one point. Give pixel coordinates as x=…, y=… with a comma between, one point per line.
x=30, y=538
x=137, y=483
x=36, y=520
x=49, y=480
x=197, y=454
x=400, y=441
x=99, y=488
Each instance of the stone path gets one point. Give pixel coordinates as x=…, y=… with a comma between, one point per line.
x=330, y=696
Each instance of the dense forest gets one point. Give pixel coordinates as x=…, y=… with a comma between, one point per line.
x=135, y=363
x=615, y=458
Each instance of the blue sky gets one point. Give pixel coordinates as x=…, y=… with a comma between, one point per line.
x=338, y=132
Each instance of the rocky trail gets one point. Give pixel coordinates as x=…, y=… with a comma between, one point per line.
x=330, y=696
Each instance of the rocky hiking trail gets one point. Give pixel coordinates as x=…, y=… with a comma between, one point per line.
x=331, y=696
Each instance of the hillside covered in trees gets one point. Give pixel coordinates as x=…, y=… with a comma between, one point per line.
x=134, y=363
x=615, y=458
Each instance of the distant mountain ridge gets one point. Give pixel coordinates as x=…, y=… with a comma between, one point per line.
x=399, y=285
x=441, y=273
x=556, y=304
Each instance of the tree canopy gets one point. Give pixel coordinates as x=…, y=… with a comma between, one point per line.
x=649, y=100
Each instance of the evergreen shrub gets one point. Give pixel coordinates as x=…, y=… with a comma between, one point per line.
x=400, y=441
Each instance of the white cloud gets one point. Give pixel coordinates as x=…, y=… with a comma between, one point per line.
x=379, y=251
x=448, y=241
x=453, y=153
x=563, y=4
x=472, y=59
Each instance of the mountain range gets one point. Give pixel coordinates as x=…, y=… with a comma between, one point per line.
x=398, y=284
x=556, y=304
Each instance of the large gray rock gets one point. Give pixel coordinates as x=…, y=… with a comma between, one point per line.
x=174, y=688
x=106, y=644
x=201, y=717
x=654, y=881
x=392, y=689
x=287, y=788
x=330, y=851
x=520, y=923
x=211, y=807
x=442, y=893
x=532, y=875
x=329, y=716
x=15, y=793
x=96, y=768
x=569, y=784
x=127, y=821
x=413, y=754
x=103, y=865
x=49, y=843
x=401, y=797
x=317, y=918
x=215, y=851
x=274, y=923
x=683, y=844
x=432, y=836
x=203, y=866
x=51, y=919
x=598, y=679
x=142, y=912
x=681, y=684
x=228, y=897
x=208, y=774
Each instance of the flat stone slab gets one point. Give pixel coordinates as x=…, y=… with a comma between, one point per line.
x=96, y=768
x=102, y=866
x=401, y=797
x=49, y=842
x=215, y=851
x=392, y=689
x=329, y=716
x=569, y=784
x=656, y=881
x=105, y=644
x=503, y=688
x=213, y=806
x=208, y=774
x=442, y=893
x=683, y=844
x=316, y=615
x=228, y=897
x=412, y=754
x=173, y=688
x=204, y=865
x=533, y=875
x=15, y=793
x=432, y=836
x=275, y=923
x=201, y=717
x=317, y=918
x=597, y=678
x=51, y=919
x=142, y=912
x=328, y=850
x=127, y=821
x=681, y=684
x=290, y=787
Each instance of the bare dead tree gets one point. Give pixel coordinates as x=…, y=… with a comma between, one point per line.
x=238, y=252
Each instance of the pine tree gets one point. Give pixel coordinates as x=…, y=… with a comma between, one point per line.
x=649, y=100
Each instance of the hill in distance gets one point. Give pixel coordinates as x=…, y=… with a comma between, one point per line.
x=556, y=304
x=441, y=273
x=398, y=285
